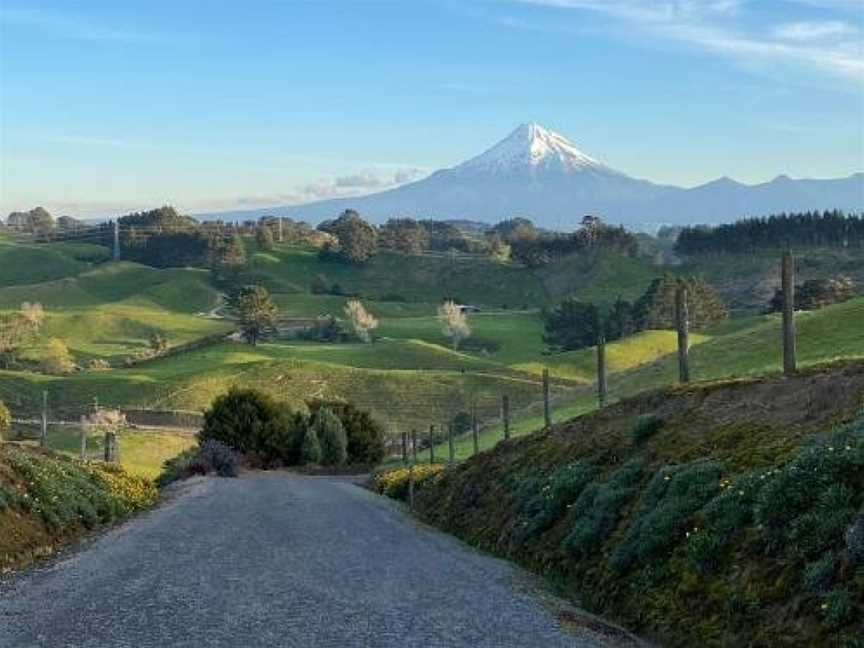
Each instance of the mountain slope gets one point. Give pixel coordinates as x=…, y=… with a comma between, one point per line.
x=538, y=173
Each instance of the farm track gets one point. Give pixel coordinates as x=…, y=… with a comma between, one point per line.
x=273, y=559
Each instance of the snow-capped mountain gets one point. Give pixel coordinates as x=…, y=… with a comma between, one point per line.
x=540, y=174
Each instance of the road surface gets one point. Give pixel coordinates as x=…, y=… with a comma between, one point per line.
x=274, y=559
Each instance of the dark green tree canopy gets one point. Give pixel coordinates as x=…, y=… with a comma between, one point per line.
x=357, y=239
x=655, y=309
x=365, y=434
x=404, y=235
x=256, y=311
x=572, y=324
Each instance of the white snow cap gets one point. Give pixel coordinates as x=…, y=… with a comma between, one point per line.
x=532, y=145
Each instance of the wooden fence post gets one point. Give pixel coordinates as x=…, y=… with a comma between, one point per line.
x=431, y=444
x=110, y=447
x=414, y=446
x=83, y=442
x=682, y=323
x=505, y=414
x=411, y=487
x=547, y=415
x=404, y=447
x=602, y=389
x=450, y=447
x=43, y=434
x=787, y=281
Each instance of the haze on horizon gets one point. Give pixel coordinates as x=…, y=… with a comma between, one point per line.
x=109, y=107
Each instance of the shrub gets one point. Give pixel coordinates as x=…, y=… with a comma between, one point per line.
x=365, y=434
x=646, y=426
x=806, y=507
x=855, y=540
x=98, y=364
x=819, y=575
x=183, y=466
x=331, y=435
x=673, y=496
x=395, y=483
x=597, y=511
x=310, y=448
x=838, y=609
x=252, y=423
x=5, y=420
x=547, y=500
x=55, y=358
x=724, y=516
x=219, y=457
x=461, y=423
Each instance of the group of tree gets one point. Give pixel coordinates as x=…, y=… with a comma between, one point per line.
x=814, y=294
x=270, y=433
x=17, y=329
x=575, y=324
x=834, y=229
x=535, y=249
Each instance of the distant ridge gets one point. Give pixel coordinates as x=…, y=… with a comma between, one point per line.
x=538, y=173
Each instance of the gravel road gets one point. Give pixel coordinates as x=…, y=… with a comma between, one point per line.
x=274, y=559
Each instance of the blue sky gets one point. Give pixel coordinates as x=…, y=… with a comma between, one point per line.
x=111, y=106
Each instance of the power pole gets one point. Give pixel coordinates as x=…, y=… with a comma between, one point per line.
x=602, y=388
x=787, y=281
x=116, y=240
x=682, y=323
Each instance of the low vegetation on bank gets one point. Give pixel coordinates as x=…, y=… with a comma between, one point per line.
x=727, y=513
x=47, y=500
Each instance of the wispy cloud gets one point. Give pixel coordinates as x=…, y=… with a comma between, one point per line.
x=77, y=140
x=830, y=47
x=345, y=186
x=69, y=25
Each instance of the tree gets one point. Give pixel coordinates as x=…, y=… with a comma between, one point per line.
x=158, y=342
x=331, y=436
x=310, y=448
x=365, y=433
x=655, y=309
x=257, y=312
x=5, y=420
x=404, y=235
x=264, y=238
x=814, y=294
x=253, y=423
x=570, y=325
x=15, y=331
x=234, y=254
x=33, y=314
x=357, y=239
x=56, y=358
x=461, y=423
x=620, y=321
x=362, y=322
x=454, y=322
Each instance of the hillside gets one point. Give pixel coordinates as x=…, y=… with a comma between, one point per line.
x=715, y=513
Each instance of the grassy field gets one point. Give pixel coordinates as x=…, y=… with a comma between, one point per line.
x=141, y=452
x=410, y=377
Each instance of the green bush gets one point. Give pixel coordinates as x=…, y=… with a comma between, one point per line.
x=310, y=448
x=719, y=522
x=365, y=435
x=672, y=498
x=544, y=502
x=646, y=426
x=838, y=609
x=254, y=424
x=5, y=420
x=331, y=435
x=819, y=575
x=806, y=507
x=855, y=541
x=597, y=511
